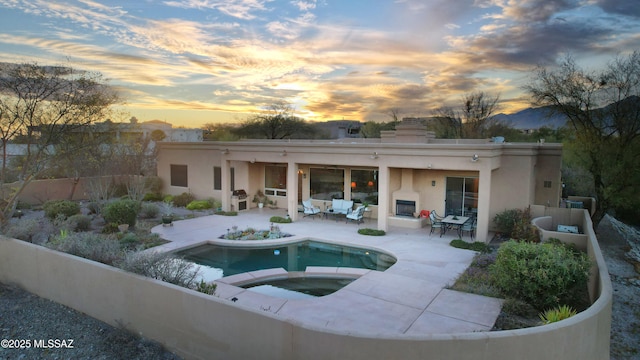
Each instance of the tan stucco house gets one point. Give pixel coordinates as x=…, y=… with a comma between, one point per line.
x=399, y=175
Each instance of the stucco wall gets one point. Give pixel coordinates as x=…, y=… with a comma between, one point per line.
x=39, y=191
x=198, y=326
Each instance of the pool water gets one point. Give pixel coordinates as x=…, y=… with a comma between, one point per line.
x=219, y=261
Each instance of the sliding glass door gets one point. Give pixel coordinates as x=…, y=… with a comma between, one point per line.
x=462, y=196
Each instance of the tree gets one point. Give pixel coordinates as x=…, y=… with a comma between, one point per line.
x=43, y=104
x=603, y=109
x=277, y=123
x=471, y=121
x=220, y=132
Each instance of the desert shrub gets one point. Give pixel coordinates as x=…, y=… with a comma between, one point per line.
x=168, y=199
x=149, y=211
x=54, y=208
x=200, y=205
x=516, y=224
x=207, y=288
x=556, y=314
x=129, y=241
x=152, y=196
x=96, y=247
x=79, y=222
x=23, y=229
x=371, y=232
x=162, y=266
x=475, y=246
x=543, y=275
x=183, y=199
x=280, y=220
x=505, y=221
x=21, y=205
x=94, y=207
x=110, y=228
x=121, y=212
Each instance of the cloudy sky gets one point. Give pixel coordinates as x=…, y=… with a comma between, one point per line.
x=191, y=62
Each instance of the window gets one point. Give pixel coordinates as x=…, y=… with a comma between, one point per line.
x=364, y=186
x=547, y=184
x=275, y=180
x=179, y=175
x=326, y=184
x=217, y=178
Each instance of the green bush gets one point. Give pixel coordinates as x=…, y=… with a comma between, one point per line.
x=96, y=247
x=280, y=220
x=226, y=213
x=544, y=275
x=79, y=222
x=152, y=196
x=371, y=232
x=200, y=205
x=475, y=246
x=168, y=199
x=121, y=212
x=64, y=208
x=149, y=211
x=183, y=199
x=556, y=314
x=516, y=224
x=207, y=288
x=110, y=228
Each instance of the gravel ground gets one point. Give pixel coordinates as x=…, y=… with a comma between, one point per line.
x=31, y=318
x=616, y=239
x=28, y=317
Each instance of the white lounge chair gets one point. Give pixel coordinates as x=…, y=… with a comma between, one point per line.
x=309, y=209
x=357, y=214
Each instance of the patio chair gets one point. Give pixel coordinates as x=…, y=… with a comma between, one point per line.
x=435, y=223
x=309, y=209
x=435, y=214
x=469, y=226
x=357, y=214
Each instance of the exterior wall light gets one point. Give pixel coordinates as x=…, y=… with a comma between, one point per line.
x=475, y=158
x=375, y=155
x=225, y=151
x=283, y=153
x=433, y=183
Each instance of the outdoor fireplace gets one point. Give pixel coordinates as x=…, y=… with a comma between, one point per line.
x=405, y=208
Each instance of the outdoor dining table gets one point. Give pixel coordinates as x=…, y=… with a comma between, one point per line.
x=454, y=221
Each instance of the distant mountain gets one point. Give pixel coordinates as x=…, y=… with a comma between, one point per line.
x=533, y=118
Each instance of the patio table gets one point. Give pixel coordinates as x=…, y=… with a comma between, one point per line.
x=335, y=214
x=454, y=221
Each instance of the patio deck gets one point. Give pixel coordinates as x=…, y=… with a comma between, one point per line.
x=410, y=298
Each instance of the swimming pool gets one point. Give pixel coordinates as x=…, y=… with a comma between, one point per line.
x=217, y=261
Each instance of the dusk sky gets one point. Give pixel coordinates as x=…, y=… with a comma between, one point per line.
x=191, y=62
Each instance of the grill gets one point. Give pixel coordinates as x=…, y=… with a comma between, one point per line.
x=239, y=200
x=241, y=194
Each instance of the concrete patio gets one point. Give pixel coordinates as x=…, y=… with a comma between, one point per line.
x=410, y=298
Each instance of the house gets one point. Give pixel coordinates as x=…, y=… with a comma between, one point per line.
x=402, y=173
